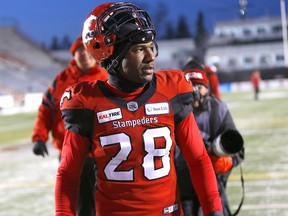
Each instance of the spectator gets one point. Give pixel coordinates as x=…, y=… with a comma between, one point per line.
x=255, y=80
x=83, y=67
x=214, y=121
x=130, y=124
x=211, y=72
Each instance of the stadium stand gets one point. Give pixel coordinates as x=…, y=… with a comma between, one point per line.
x=25, y=67
x=21, y=47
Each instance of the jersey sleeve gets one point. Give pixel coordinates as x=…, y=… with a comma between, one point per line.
x=77, y=117
x=44, y=118
x=183, y=100
x=76, y=146
x=201, y=171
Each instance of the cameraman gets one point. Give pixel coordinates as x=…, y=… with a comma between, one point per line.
x=215, y=124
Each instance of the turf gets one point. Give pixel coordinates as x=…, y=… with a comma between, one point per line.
x=17, y=127
x=264, y=125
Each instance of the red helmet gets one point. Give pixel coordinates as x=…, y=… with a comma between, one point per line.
x=112, y=23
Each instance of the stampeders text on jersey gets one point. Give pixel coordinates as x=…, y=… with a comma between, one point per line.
x=134, y=122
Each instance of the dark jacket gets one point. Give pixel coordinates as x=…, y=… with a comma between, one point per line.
x=213, y=118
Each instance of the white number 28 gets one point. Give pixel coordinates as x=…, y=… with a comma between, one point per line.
x=148, y=165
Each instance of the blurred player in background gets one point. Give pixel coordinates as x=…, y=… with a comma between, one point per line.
x=255, y=81
x=216, y=125
x=130, y=124
x=83, y=67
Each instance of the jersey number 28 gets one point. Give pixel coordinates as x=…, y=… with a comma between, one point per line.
x=148, y=161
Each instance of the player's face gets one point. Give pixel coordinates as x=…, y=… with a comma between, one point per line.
x=139, y=62
x=84, y=60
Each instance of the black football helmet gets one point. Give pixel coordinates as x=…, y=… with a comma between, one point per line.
x=111, y=28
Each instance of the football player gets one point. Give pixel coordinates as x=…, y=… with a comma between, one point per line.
x=130, y=124
x=255, y=81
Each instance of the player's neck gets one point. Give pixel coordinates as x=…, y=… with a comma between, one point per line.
x=122, y=84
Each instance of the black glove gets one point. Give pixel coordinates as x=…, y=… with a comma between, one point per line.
x=40, y=148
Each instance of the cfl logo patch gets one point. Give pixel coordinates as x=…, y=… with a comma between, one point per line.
x=66, y=94
x=132, y=106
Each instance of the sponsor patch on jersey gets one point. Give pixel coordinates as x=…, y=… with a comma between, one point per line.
x=109, y=115
x=170, y=209
x=157, y=108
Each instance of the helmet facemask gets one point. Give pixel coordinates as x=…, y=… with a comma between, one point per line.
x=113, y=63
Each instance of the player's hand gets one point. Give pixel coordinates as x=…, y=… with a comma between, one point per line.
x=221, y=165
x=40, y=148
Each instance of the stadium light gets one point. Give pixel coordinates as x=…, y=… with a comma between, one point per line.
x=284, y=31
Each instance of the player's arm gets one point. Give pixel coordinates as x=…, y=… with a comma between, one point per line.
x=74, y=151
x=43, y=122
x=77, y=142
x=200, y=167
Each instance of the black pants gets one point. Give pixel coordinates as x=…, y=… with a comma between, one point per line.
x=256, y=93
x=86, y=202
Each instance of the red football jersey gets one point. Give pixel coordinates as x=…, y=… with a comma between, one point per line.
x=132, y=142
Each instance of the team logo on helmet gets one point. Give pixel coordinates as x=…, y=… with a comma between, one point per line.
x=87, y=33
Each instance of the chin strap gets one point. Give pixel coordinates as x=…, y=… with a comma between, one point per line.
x=115, y=65
x=112, y=67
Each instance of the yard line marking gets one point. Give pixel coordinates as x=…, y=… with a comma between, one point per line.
x=266, y=193
x=262, y=206
x=27, y=184
x=261, y=176
x=259, y=183
x=264, y=131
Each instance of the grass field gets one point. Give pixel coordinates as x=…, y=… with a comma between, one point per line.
x=264, y=125
x=27, y=181
x=15, y=128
